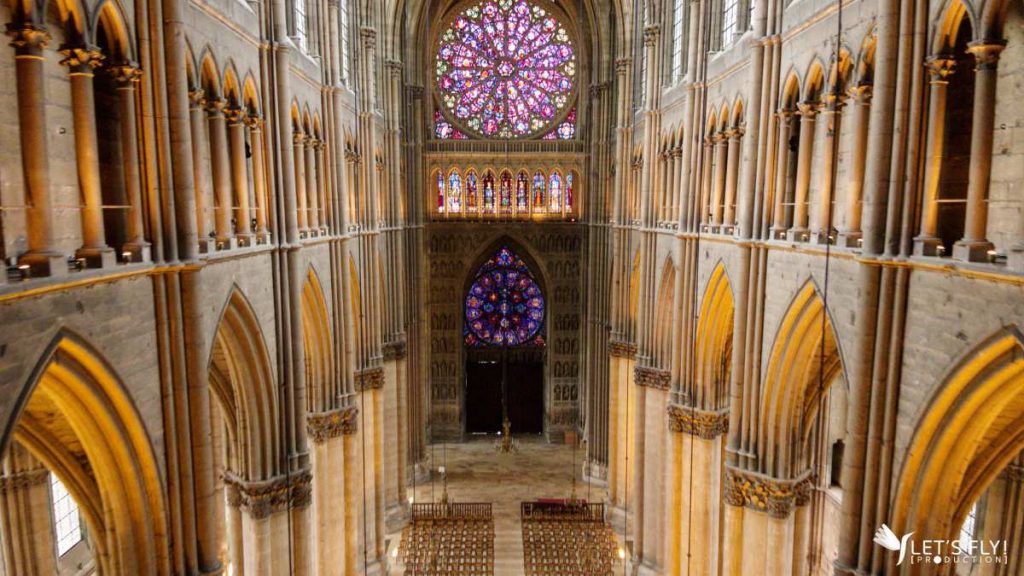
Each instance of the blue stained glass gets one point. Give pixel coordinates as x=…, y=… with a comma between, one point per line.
x=504, y=306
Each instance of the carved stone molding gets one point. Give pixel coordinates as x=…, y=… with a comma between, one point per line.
x=772, y=496
x=16, y=481
x=652, y=377
x=701, y=423
x=370, y=379
x=621, y=349
x=262, y=499
x=125, y=74
x=82, y=59
x=395, y=350
x=328, y=425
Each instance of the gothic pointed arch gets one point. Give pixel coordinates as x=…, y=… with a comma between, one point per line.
x=715, y=325
x=968, y=430
x=76, y=418
x=804, y=362
x=665, y=317
x=505, y=303
x=244, y=384
x=318, y=342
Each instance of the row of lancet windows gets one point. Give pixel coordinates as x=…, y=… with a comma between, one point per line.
x=306, y=18
x=730, y=18
x=542, y=194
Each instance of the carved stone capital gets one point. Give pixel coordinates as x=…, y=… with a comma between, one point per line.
x=735, y=133
x=700, y=423
x=15, y=481
x=394, y=66
x=253, y=120
x=772, y=496
x=415, y=92
x=652, y=377
x=986, y=53
x=81, y=59
x=262, y=499
x=651, y=33
x=622, y=65
x=234, y=114
x=369, y=37
x=861, y=93
x=370, y=379
x=298, y=138
x=28, y=38
x=940, y=68
x=808, y=109
x=621, y=349
x=197, y=97
x=327, y=425
x=214, y=106
x=124, y=74
x=394, y=350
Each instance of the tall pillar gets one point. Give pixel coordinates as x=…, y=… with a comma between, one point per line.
x=732, y=171
x=126, y=77
x=221, y=170
x=782, y=174
x=860, y=95
x=322, y=193
x=239, y=173
x=29, y=40
x=26, y=525
x=81, y=61
x=259, y=175
x=832, y=115
x=197, y=118
x=940, y=68
x=721, y=159
x=313, y=181
x=299, y=140
x=808, y=111
x=974, y=247
x=706, y=210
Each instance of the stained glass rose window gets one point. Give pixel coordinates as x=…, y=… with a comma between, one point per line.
x=504, y=306
x=505, y=69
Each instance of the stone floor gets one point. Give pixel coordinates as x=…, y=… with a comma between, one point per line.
x=476, y=473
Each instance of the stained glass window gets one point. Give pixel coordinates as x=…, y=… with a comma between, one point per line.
x=555, y=191
x=522, y=192
x=471, y=202
x=504, y=306
x=566, y=130
x=568, y=192
x=538, y=191
x=454, y=193
x=440, y=193
x=506, y=192
x=505, y=68
x=488, y=192
x=443, y=129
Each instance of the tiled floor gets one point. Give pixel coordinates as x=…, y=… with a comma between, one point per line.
x=476, y=473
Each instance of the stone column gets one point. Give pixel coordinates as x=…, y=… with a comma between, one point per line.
x=221, y=173
x=850, y=235
x=732, y=172
x=299, y=140
x=239, y=173
x=940, y=68
x=26, y=525
x=322, y=191
x=81, y=61
x=29, y=40
x=808, y=111
x=781, y=174
x=832, y=115
x=705, y=210
x=197, y=117
x=126, y=77
x=974, y=247
x=721, y=158
x=259, y=175
x=313, y=181
x=236, y=544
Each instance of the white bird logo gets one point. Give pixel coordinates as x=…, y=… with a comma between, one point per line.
x=885, y=538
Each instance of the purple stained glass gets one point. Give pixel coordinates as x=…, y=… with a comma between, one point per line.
x=444, y=130
x=505, y=68
x=566, y=130
x=504, y=306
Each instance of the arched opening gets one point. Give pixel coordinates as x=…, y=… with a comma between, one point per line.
x=713, y=364
x=962, y=457
x=504, y=332
x=804, y=405
x=317, y=339
x=77, y=441
x=246, y=428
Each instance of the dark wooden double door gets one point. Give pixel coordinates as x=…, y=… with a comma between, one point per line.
x=523, y=372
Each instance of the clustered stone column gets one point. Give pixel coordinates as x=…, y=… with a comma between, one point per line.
x=29, y=39
x=126, y=79
x=721, y=152
x=940, y=68
x=732, y=171
x=312, y=191
x=782, y=173
x=808, y=112
x=197, y=119
x=974, y=247
x=299, y=141
x=239, y=176
x=832, y=115
x=26, y=524
x=221, y=169
x=259, y=176
x=81, y=60
x=850, y=235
